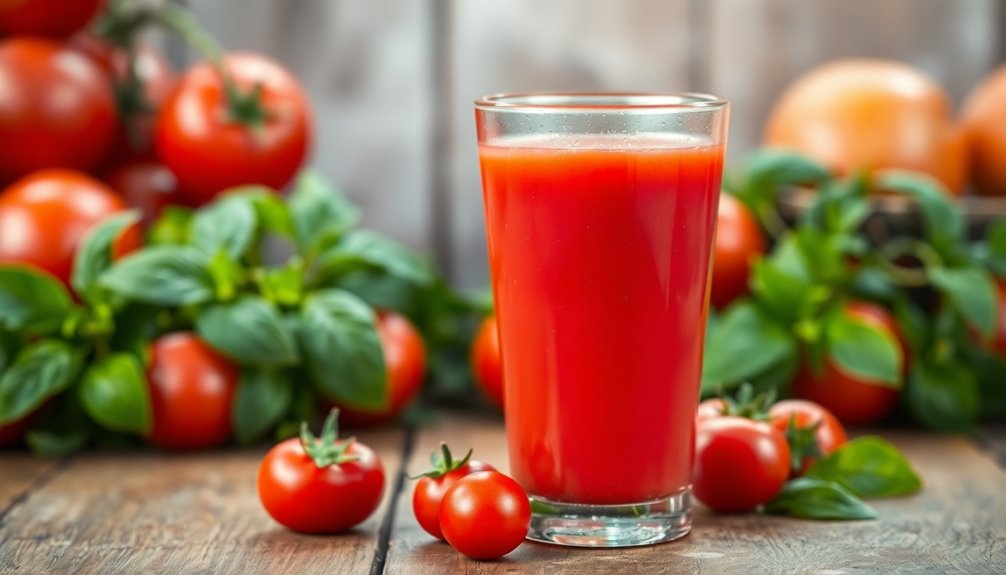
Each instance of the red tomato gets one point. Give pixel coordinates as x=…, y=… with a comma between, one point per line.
x=739, y=463
x=405, y=361
x=56, y=108
x=147, y=186
x=739, y=241
x=44, y=216
x=56, y=18
x=827, y=434
x=710, y=409
x=199, y=139
x=430, y=489
x=191, y=391
x=853, y=400
x=485, y=360
x=322, y=486
x=485, y=515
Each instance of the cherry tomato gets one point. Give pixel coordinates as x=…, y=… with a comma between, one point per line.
x=984, y=119
x=56, y=18
x=405, y=361
x=485, y=360
x=824, y=432
x=191, y=390
x=485, y=515
x=44, y=216
x=852, y=399
x=320, y=485
x=199, y=138
x=710, y=409
x=56, y=110
x=429, y=492
x=739, y=463
x=147, y=186
x=738, y=243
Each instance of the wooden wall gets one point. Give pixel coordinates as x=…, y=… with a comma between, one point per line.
x=392, y=81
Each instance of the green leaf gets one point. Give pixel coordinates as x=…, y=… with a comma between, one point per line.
x=94, y=255
x=270, y=209
x=31, y=300
x=382, y=291
x=284, y=285
x=990, y=371
x=972, y=291
x=342, y=350
x=868, y=467
x=249, y=331
x=162, y=275
x=40, y=371
x=839, y=207
x=786, y=295
x=320, y=213
x=9, y=346
x=114, y=393
x=56, y=443
x=263, y=398
x=172, y=228
x=229, y=224
x=943, y=395
x=944, y=222
x=785, y=168
x=227, y=274
x=370, y=251
x=861, y=349
x=811, y=498
x=743, y=331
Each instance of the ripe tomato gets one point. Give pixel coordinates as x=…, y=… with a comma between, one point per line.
x=739, y=241
x=320, y=485
x=739, y=463
x=815, y=434
x=199, y=138
x=431, y=487
x=405, y=361
x=56, y=18
x=485, y=515
x=850, y=398
x=710, y=409
x=984, y=120
x=191, y=391
x=44, y=216
x=57, y=109
x=147, y=186
x=854, y=114
x=485, y=360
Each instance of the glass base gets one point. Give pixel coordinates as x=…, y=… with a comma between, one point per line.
x=578, y=525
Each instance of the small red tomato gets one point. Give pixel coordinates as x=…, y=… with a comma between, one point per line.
x=320, y=485
x=146, y=186
x=739, y=463
x=405, y=362
x=44, y=217
x=191, y=391
x=811, y=430
x=429, y=493
x=710, y=409
x=55, y=18
x=485, y=360
x=739, y=241
x=485, y=515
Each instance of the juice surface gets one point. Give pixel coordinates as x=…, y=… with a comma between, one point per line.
x=600, y=257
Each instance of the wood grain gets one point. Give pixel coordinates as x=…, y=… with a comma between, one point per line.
x=956, y=525
x=157, y=513
x=993, y=439
x=19, y=472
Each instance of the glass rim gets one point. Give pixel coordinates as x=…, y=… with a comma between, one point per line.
x=599, y=101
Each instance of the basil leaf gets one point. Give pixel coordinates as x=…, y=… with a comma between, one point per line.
x=342, y=350
x=262, y=399
x=943, y=221
x=972, y=291
x=171, y=228
x=94, y=255
x=40, y=371
x=811, y=498
x=162, y=275
x=9, y=345
x=367, y=250
x=384, y=292
x=114, y=393
x=868, y=467
x=270, y=209
x=320, y=213
x=839, y=207
x=943, y=395
x=31, y=300
x=229, y=224
x=990, y=371
x=249, y=331
x=785, y=168
x=863, y=350
x=743, y=331
x=56, y=443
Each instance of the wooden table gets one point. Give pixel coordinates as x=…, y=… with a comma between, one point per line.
x=145, y=512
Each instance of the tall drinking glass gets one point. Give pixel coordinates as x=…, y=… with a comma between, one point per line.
x=600, y=213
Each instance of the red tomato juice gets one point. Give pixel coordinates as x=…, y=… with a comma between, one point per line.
x=600, y=259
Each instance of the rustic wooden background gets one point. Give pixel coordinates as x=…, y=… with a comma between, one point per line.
x=392, y=81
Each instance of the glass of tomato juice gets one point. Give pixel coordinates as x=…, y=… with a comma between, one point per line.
x=600, y=212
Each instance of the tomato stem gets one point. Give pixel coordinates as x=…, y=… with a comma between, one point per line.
x=443, y=462
x=326, y=450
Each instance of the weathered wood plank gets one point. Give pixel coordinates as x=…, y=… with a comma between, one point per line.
x=955, y=526
x=155, y=513
x=993, y=439
x=20, y=471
